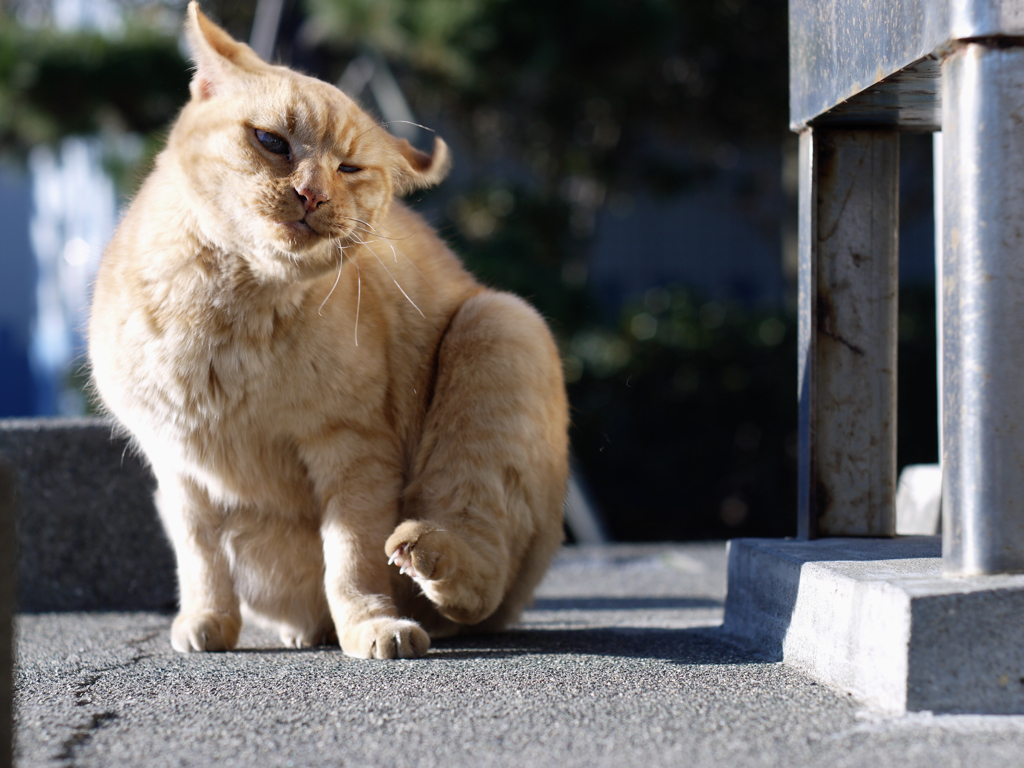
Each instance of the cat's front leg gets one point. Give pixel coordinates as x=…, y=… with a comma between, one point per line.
x=357, y=578
x=209, y=618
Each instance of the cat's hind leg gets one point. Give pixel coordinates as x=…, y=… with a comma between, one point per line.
x=484, y=507
x=277, y=566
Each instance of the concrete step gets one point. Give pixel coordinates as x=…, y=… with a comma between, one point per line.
x=876, y=618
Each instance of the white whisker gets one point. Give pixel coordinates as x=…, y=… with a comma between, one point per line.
x=341, y=261
x=359, y=297
x=369, y=228
x=393, y=278
x=407, y=122
x=399, y=287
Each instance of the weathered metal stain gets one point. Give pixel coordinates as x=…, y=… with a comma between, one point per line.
x=849, y=292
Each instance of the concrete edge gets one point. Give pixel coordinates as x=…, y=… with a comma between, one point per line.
x=88, y=535
x=875, y=618
x=7, y=611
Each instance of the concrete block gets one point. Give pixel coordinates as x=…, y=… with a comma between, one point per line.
x=876, y=618
x=6, y=615
x=918, y=496
x=87, y=530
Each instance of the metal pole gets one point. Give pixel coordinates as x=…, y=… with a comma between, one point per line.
x=983, y=310
x=265, y=24
x=849, y=201
x=938, y=208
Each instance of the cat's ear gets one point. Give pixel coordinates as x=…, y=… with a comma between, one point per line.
x=416, y=169
x=221, y=61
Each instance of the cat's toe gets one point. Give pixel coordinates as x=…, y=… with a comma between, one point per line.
x=422, y=551
x=386, y=639
x=204, y=631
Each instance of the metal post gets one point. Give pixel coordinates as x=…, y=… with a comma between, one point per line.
x=938, y=209
x=265, y=24
x=983, y=310
x=849, y=201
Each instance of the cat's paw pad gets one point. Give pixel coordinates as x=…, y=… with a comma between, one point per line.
x=386, y=639
x=421, y=551
x=204, y=631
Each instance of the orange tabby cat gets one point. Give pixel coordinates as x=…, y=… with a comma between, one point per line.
x=317, y=382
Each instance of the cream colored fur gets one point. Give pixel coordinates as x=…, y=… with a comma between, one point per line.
x=317, y=382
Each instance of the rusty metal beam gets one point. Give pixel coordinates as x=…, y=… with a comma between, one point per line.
x=849, y=202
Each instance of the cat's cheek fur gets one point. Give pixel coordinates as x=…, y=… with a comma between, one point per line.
x=312, y=406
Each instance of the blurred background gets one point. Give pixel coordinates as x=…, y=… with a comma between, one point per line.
x=624, y=164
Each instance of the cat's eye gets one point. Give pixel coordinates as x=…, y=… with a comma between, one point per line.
x=348, y=168
x=272, y=142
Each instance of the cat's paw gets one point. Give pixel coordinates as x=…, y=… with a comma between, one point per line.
x=204, y=631
x=386, y=639
x=422, y=551
x=292, y=637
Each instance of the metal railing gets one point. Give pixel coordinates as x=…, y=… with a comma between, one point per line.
x=860, y=73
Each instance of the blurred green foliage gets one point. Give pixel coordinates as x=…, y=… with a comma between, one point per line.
x=683, y=406
x=55, y=84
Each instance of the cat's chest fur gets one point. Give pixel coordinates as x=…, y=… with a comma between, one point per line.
x=237, y=391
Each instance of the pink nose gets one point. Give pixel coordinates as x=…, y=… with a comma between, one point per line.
x=311, y=198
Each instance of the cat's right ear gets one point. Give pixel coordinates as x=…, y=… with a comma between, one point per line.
x=221, y=61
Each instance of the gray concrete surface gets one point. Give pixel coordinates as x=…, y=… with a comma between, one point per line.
x=6, y=611
x=877, y=618
x=620, y=663
x=88, y=534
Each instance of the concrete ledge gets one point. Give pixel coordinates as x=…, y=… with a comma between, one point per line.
x=6, y=613
x=87, y=531
x=876, y=618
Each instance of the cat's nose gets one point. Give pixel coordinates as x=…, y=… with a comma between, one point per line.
x=311, y=198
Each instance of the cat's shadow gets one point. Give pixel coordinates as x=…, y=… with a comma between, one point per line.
x=692, y=645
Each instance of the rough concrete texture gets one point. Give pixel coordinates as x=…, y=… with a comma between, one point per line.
x=7, y=610
x=620, y=663
x=878, y=619
x=88, y=533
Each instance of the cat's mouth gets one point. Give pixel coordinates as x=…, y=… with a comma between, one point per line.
x=300, y=229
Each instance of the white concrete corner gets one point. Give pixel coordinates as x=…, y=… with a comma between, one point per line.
x=918, y=497
x=876, y=618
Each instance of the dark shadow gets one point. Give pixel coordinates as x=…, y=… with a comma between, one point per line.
x=623, y=603
x=691, y=645
x=696, y=645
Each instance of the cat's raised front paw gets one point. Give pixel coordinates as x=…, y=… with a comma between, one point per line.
x=421, y=551
x=386, y=639
x=204, y=631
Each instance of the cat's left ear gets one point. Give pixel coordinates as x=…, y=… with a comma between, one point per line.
x=416, y=170
x=221, y=61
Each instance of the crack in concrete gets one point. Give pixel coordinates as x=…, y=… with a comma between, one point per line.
x=83, y=733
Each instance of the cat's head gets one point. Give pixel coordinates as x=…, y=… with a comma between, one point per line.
x=284, y=167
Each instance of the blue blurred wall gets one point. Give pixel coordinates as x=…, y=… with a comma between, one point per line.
x=17, y=295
